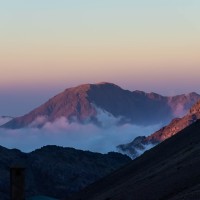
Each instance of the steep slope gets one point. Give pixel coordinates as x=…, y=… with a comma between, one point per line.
x=168, y=171
x=57, y=171
x=5, y=119
x=139, y=144
x=83, y=103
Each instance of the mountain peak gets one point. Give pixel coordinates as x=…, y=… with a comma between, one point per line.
x=88, y=86
x=84, y=102
x=83, y=88
x=106, y=84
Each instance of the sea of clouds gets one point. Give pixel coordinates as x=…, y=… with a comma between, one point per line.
x=87, y=136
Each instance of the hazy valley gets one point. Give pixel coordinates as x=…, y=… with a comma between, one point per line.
x=96, y=117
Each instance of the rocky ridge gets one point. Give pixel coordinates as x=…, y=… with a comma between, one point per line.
x=57, y=171
x=140, y=144
x=82, y=103
x=169, y=171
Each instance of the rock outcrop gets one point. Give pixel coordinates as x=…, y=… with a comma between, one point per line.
x=140, y=144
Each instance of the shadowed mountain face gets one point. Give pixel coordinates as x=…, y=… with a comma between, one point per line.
x=139, y=144
x=83, y=103
x=5, y=119
x=56, y=171
x=169, y=171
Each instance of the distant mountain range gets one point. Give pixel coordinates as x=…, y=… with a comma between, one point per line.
x=169, y=171
x=83, y=104
x=56, y=171
x=141, y=143
x=5, y=119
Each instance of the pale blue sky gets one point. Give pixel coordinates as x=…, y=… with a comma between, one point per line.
x=49, y=45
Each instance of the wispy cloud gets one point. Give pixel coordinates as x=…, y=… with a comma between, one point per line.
x=81, y=136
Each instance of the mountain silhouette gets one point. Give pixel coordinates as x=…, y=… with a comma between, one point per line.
x=56, y=171
x=168, y=171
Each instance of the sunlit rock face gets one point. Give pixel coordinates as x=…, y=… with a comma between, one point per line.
x=81, y=104
x=140, y=144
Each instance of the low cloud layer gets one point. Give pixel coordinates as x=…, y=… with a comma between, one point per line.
x=138, y=151
x=80, y=136
x=180, y=111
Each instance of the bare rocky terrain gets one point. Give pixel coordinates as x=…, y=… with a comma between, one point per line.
x=81, y=104
x=176, y=125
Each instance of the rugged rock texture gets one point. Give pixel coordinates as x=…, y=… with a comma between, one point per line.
x=81, y=103
x=56, y=171
x=139, y=144
x=169, y=171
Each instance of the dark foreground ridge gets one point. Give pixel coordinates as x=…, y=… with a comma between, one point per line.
x=56, y=171
x=169, y=171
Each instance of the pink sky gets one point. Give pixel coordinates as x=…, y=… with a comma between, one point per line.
x=47, y=46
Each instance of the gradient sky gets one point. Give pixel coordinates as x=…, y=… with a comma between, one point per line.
x=48, y=45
